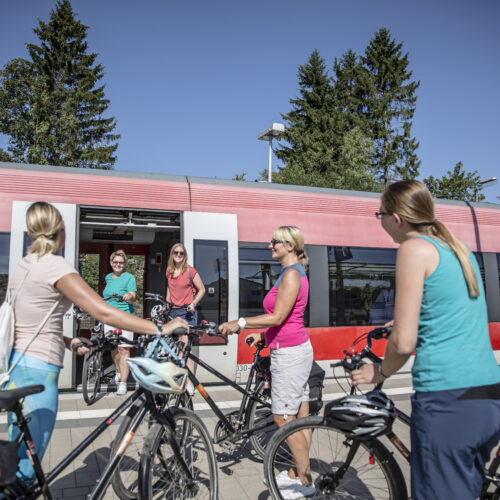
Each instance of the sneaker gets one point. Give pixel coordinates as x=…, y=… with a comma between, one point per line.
x=117, y=378
x=122, y=388
x=296, y=491
x=190, y=388
x=283, y=480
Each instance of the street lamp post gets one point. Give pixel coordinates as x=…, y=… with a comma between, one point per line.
x=275, y=130
x=491, y=182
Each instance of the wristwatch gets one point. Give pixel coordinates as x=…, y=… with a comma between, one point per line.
x=242, y=323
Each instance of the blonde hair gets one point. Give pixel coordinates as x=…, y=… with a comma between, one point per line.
x=171, y=265
x=119, y=253
x=293, y=235
x=413, y=202
x=44, y=222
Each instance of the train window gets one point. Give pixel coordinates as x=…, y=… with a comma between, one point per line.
x=4, y=263
x=210, y=260
x=498, y=261
x=361, y=285
x=480, y=263
x=258, y=273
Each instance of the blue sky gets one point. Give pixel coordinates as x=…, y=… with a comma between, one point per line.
x=193, y=82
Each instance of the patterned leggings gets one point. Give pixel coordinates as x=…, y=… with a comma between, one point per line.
x=41, y=408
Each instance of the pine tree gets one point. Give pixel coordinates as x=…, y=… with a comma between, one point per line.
x=389, y=105
x=50, y=106
x=456, y=185
x=309, y=128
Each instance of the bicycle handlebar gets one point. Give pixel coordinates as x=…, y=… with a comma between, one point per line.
x=159, y=298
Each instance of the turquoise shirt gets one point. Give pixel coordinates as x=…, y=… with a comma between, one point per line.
x=121, y=285
x=453, y=346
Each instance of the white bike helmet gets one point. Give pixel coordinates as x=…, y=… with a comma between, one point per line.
x=166, y=378
x=362, y=416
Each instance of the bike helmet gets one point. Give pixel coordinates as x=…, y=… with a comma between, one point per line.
x=362, y=416
x=166, y=378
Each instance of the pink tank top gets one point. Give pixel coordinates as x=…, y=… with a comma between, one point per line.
x=292, y=331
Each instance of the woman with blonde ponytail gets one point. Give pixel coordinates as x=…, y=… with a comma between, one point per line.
x=291, y=351
x=440, y=312
x=47, y=285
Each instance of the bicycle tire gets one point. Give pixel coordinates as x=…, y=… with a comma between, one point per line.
x=490, y=490
x=91, y=376
x=259, y=414
x=125, y=478
x=373, y=473
x=160, y=475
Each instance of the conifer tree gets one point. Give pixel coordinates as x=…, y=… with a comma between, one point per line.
x=456, y=185
x=308, y=154
x=51, y=106
x=389, y=105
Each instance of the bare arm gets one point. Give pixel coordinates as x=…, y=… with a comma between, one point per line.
x=200, y=287
x=416, y=259
x=73, y=287
x=130, y=297
x=285, y=300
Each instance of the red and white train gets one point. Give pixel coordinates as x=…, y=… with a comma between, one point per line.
x=226, y=226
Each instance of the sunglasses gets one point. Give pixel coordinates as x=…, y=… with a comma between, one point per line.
x=379, y=215
x=177, y=252
x=119, y=263
x=275, y=242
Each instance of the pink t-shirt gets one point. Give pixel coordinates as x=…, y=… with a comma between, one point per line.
x=181, y=290
x=36, y=297
x=292, y=331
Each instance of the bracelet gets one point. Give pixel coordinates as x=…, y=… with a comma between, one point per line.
x=383, y=374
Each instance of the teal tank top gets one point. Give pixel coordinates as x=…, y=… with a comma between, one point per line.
x=453, y=347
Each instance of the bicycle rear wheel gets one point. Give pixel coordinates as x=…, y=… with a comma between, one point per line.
x=260, y=415
x=162, y=474
x=91, y=376
x=125, y=479
x=372, y=474
x=491, y=487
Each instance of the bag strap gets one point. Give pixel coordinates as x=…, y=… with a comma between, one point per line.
x=35, y=335
x=12, y=300
x=193, y=288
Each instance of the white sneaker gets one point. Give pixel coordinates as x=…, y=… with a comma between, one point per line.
x=283, y=480
x=190, y=387
x=117, y=378
x=296, y=491
x=122, y=388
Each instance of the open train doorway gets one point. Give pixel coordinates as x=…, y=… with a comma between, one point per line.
x=145, y=236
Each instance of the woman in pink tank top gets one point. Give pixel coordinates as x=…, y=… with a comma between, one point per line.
x=291, y=350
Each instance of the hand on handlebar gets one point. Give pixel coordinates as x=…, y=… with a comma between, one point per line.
x=229, y=327
x=79, y=345
x=168, y=328
x=367, y=374
x=253, y=339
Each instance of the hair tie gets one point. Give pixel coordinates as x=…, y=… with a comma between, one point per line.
x=299, y=252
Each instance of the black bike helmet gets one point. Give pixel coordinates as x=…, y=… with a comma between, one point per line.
x=362, y=416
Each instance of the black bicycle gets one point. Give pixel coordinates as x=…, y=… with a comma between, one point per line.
x=184, y=462
x=345, y=467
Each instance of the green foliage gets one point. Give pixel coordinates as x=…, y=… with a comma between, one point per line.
x=50, y=106
x=456, y=185
x=240, y=177
x=389, y=105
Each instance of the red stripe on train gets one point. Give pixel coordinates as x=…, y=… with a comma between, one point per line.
x=330, y=342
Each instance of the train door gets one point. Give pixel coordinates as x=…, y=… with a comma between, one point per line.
x=211, y=241
x=19, y=242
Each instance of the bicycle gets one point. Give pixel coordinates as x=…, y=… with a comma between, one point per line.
x=186, y=459
x=346, y=467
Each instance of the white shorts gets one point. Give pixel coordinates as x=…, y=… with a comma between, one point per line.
x=290, y=369
x=125, y=333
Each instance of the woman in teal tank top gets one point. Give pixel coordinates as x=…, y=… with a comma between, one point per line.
x=440, y=312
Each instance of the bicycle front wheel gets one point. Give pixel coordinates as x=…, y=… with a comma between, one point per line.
x=162, y=474
x=261, y=416
x=125, y=480
x=372, y=473
x=91, y=376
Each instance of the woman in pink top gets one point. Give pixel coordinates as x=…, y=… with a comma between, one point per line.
x=291, y=350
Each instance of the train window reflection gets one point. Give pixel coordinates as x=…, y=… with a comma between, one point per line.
x=480, y=263
x=361, y=285
x=4, y=264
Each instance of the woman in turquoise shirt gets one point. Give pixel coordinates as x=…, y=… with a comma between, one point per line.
x=121, y=283
x=440, y=312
